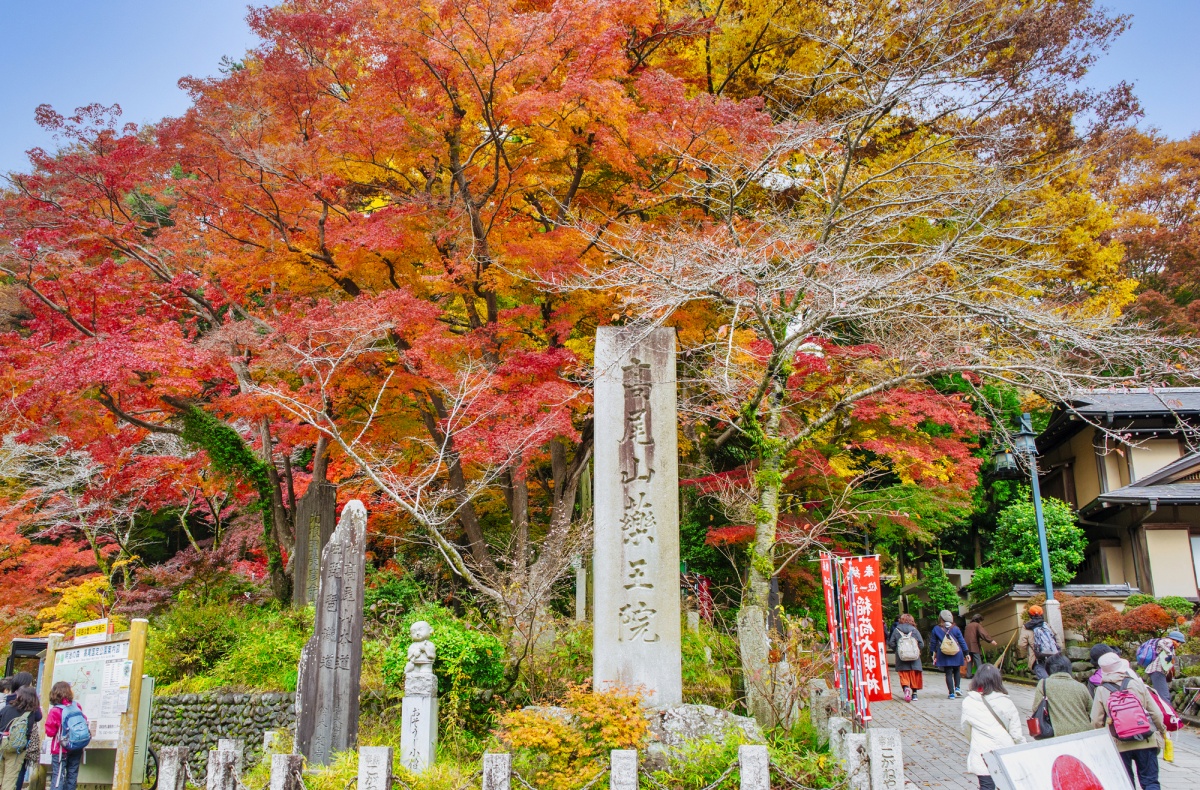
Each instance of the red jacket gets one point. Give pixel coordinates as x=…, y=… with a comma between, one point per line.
x=54, y=724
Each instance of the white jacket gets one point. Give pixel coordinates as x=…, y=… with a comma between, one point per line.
x=985, y=733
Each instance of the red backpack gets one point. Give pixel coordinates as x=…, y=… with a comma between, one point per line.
x=1130, y=722
x=1171, y=719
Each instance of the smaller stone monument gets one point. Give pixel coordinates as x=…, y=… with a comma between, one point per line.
x=418, y=737
x=374, y=768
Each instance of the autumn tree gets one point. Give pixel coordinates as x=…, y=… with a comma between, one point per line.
x=921, y=191
x=1154, y=185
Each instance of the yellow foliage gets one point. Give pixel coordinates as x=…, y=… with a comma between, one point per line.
x=88, y=600
x=561, y=751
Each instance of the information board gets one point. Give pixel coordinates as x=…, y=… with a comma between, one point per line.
x=99, y=677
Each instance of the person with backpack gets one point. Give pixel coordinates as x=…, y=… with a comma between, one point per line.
x=949, y=649
x=1039, y=642
x=906, y=642
x=1123, y=704
x=976, y=635
x=1157, y=657
x=67, y=729
x=14, y=736
x=19, y=681
x=990, y=720
x=1068, y=703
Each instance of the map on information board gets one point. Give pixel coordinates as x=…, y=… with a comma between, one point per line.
x=99, y=677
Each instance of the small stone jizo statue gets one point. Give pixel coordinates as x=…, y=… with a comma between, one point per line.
x=421, y=652
x=418, y=737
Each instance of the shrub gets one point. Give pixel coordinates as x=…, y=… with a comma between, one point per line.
x=1106, y=625
x=1177, y=605
x=1078, y=613
x=563, y=751
x=1195, y=632
x=1146, y=620
x=466, y=656
x=189, y=640
x=266, y=655
x=1016, y=556
x=1138, y=599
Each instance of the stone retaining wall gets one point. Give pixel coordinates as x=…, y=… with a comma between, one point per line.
x=198, y=721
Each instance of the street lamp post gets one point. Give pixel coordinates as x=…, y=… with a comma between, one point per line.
x=1025, y=443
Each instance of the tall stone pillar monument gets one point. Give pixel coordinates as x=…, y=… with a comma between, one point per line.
x=331, y=661
x=636, y=554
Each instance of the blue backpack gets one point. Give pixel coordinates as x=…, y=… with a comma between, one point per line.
x=1146, y=652
x=74, y=733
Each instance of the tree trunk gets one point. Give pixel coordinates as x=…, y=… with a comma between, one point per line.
x=752, y=619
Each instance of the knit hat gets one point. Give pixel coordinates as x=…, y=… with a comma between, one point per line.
x=945, y=616
x=1177, y=636
x=1097, y=651
x=1112, y=663
x=1035, y=611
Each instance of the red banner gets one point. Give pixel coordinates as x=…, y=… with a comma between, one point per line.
x=831, y=611
x=866, y=632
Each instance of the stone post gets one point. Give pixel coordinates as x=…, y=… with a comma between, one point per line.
x=232, y=745
x=636, y=609
x=172, y=767
x=222, y=771
x=316, y=514
x=375, y=768
x=270, y=739
x=419, y=709
x=858, y=768
x=887, y=758
x=580, y=589
x=623, y=769
x=822, y=703
x=286, y=772
x=839, y=728
x=497, y=771
x=1052, y=613
x=693, y=620
x=754, y=765
x=327, y=691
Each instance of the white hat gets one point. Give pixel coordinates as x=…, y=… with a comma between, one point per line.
x=1111, y=663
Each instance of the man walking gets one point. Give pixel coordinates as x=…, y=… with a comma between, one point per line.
x=1039, y=642
x=974, y=635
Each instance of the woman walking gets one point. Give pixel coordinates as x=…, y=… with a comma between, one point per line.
x=948, y=647
x=990, y=720
x=906, y=642
x=1069, y=701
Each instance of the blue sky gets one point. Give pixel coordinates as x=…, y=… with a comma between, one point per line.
x=68, y=53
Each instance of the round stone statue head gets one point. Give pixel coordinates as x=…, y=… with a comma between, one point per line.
x=421, y=652
x=420, y=631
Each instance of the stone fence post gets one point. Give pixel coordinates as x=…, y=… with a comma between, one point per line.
x=172, y=767
x=222, y=770
x=286, y=772
x=623, y=767
x=754, y=765
x=238, y=747
x=497, y=771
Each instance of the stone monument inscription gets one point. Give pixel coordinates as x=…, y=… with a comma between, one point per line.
x=636, y=546
x=327, y=690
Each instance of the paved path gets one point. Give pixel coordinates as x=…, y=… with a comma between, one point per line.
x=935, y=749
